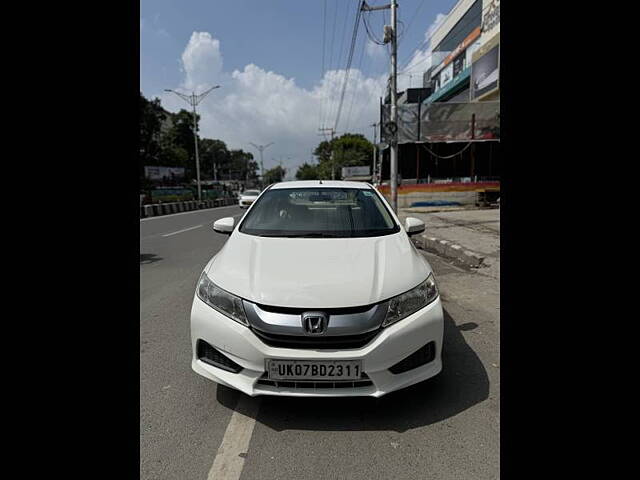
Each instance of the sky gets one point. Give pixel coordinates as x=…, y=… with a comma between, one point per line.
x=281, y=67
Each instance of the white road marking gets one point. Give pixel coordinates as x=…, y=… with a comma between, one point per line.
x=202, y=210
x=180, y=231
x=229, y=462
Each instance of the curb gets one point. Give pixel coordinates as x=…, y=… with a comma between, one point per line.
x=160, y=209
x=450, y=249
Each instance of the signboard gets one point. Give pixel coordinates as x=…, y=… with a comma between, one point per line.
x=164, y=173
x=491, y=18
x=485, y=73
x=446, y=75
x=355, y=171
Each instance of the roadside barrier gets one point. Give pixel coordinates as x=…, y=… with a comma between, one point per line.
x=159, y=209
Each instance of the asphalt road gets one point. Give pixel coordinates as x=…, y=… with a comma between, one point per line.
x=445, y=428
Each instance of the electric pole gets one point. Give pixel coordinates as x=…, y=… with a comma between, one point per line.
x=390, y=36
x=332, y=131
x=373, y=169
x=261, y=149
x=394, y=106
x=194, y=100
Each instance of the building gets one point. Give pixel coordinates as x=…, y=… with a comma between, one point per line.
x=450, y=135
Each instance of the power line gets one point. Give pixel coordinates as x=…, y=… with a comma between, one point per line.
x=354, y=37
x=355, y=90
x=448, y=156
x=324, y=34
x=414, y=16
x=408, y=59
x=333, y=35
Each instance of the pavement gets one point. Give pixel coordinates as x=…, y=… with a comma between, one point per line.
x=475, y=231
x=190, y=428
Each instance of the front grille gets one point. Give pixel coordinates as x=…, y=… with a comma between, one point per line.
x=315, y=384
x=328, y=311
x=316, y=342
x=210, y=355
x=421, y=357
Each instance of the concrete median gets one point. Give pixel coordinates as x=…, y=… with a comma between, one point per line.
x=160, y=209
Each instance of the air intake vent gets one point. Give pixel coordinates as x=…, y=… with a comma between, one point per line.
x=423, y=356
x=210, y=355
x=310, y=384
x=316, y=342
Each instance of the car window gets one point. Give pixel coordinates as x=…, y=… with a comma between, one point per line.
x=251, y=193
x=321, y=212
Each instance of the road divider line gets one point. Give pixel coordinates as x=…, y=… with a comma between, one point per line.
x=180, y=231
x=233, y=450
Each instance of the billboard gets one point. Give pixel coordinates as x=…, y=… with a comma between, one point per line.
x=164, y=173
x=485, y=73
x=444, y=122
x=355, y=171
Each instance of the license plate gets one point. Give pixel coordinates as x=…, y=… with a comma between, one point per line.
x=314, y=370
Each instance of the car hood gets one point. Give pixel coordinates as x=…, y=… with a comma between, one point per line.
x=317, y=273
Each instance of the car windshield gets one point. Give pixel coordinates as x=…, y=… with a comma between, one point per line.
x=319, y=213
x=251, y=193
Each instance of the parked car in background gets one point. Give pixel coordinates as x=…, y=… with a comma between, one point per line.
x=318, y=291
x=248, y=197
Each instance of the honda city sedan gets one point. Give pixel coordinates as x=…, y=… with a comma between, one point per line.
x=318, y=291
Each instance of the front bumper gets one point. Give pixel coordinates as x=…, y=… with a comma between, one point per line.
x=392, y=345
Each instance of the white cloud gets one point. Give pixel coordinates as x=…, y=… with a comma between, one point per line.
x=260, y=106
x=420, y=60
x=375, y=50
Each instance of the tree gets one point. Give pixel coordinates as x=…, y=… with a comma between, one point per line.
x=274, y=175
x=349, y=150
x=213, y=152
x=180, y=135
x=307, y=172
x=151, y=117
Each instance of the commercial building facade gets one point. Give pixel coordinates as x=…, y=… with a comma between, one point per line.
x=451, y=135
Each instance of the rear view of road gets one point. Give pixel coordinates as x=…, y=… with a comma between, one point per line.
x=445, y=428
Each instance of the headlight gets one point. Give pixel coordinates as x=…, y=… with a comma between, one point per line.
x=404, y=305
x=221, y=300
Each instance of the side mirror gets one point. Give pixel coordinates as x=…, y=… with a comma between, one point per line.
x=413, y=226
x=224, y=225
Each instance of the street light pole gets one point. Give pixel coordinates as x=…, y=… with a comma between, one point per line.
x=194, y=100
x=261, y=149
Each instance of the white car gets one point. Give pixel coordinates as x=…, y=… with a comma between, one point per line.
x=247, y=198
x=317, y=292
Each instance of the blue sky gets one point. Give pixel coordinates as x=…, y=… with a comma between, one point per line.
x=267, y=55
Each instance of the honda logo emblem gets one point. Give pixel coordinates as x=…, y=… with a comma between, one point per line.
x=315, y=323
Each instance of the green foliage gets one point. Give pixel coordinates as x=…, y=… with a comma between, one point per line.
x=166, y=139
x=151, y=117
x=308, y=172
x=274, y=175
x=350, y=150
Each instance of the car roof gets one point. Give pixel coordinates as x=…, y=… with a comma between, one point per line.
x=321, y=184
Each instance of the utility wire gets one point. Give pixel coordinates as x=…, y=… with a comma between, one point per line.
x=355, y=90
x=448, y=156
x=407, y=61
x=414, y=16
x=354, y=37
x=333, y=35
x=324, y=34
